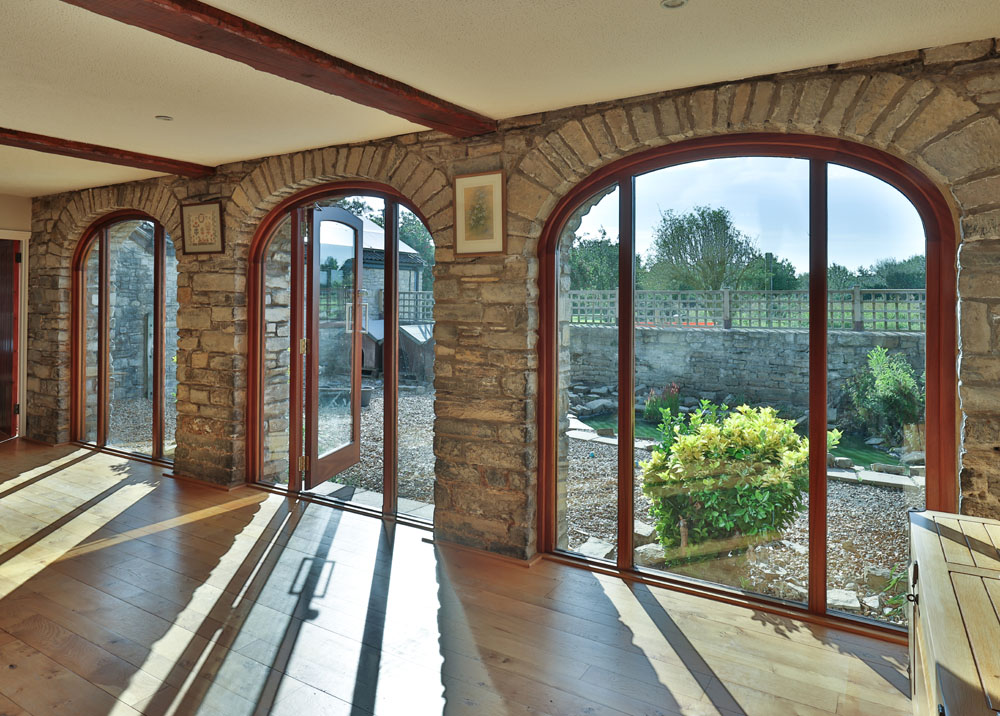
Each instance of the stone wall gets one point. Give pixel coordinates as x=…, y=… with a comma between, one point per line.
x=935, y=109
x=753, y=364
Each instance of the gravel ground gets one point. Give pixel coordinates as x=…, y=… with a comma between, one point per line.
x=866, y=529
x=130, y=426
x=416, y=446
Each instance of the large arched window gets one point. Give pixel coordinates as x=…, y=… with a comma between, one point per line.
x=125, y=337
x=748, y=369
x=342, y=358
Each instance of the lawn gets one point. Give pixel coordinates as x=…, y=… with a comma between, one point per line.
x=851, y=446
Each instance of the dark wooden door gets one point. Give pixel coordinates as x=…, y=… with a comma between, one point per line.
x=8, y=337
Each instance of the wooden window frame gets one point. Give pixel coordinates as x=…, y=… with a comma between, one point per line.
x=941, y=339
x=390, y=346
x=96, y=236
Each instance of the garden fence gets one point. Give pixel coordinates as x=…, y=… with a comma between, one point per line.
x=850, y=309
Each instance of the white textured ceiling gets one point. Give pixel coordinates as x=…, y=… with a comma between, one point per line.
x=69, y=73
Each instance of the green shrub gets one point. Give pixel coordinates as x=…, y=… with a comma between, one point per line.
x=727, y=475
x=668, y=399
x=884, y=396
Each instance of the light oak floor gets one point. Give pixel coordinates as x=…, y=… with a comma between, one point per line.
x=123, y=592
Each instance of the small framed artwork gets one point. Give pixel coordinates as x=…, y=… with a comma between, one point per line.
x=480, y=226
x=203, y=228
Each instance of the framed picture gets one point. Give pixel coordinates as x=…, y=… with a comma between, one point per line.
x=202, y=226
x=480, y=215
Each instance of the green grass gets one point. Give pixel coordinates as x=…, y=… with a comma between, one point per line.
x=850, y=446
x=643, y=429
x=854, y=447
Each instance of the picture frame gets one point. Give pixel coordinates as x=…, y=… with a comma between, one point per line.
x=202, y=228
x=480, y=214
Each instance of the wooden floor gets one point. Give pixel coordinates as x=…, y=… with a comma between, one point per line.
x=123, y=592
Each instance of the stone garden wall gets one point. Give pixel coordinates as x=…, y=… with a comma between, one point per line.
x=756, y=365
x=935, y=109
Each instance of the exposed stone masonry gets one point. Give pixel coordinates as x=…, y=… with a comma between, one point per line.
x=936, y=109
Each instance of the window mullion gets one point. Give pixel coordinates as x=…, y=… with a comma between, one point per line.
x=390, y=360
x=103, y=339
x=626, y=369
x=159, y=312
x=817, y=383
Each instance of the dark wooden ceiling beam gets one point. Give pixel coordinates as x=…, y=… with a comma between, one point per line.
x=97, y=153
x=207, y=28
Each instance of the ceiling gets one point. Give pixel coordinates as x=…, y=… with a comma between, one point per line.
x=68, y=73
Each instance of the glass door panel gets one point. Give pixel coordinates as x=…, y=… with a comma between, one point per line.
x=587, y=438
x=91, y=324
x=876, y=356
x=335, y=324
x=131, y=256
x=722, y=373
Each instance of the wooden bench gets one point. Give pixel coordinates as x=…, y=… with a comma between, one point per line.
x=953, y=611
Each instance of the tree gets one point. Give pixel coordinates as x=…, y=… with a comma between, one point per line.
x=700, y=250
x=769, y=273
x=593, y=263
x=412, y=232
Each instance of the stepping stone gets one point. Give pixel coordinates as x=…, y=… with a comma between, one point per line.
x=596, y=548
x=843, y=599
x=643, y=534
x=650, y=555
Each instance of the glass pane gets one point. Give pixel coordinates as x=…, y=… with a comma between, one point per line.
x=130, y=379
x=336, y=322
x=276, y=371
x=361, y=483
x=91, y=357
x=587, y=477
x=722, y=373
x=416, y=367
x=876, y=368
x=169, y=348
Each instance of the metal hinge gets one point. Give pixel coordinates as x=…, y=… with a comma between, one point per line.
x=303, y=346
x=17, y=409
x=17, y=257
x=303, y=464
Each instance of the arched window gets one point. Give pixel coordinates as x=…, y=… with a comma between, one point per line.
x=125, y=337
x=748, y=369
x=342, y=356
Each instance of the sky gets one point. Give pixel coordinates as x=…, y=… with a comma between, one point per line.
x=768, y=198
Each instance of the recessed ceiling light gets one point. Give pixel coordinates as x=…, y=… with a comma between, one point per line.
x=168, y=118
x=670, y=4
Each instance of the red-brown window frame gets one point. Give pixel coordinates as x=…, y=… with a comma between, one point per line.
x=97, y=233
x=941, y=339
x=390, y=347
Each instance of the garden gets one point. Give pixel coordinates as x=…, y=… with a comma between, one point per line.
x=722, y=488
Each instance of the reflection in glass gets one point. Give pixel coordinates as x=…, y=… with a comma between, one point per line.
x=587, y=483
x=336, y=323
x=169, y=348
x=276, y=371
x=91, y=343
x=876, y=394
x=722, y=373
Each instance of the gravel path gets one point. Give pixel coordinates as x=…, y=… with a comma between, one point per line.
x=416, y=446
x=866, y=529
x=130, y=426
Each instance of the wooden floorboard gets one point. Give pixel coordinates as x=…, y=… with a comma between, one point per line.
x=123, y=591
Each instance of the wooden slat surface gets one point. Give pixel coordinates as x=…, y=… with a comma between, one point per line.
x=125, y=592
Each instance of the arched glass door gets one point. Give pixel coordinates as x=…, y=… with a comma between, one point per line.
x=125, y=337
x=342, y=322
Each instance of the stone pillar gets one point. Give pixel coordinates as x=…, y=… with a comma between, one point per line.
x=486, y=387
x=211, y=369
